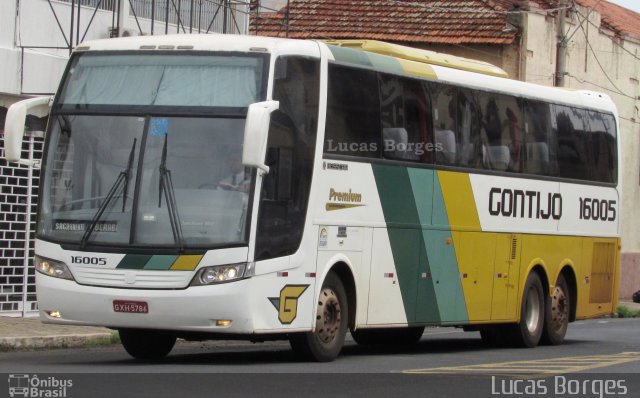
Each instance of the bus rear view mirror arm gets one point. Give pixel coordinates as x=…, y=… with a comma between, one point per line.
x=14, y=127
x=256, y=133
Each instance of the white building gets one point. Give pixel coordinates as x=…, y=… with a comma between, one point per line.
x=36, y=38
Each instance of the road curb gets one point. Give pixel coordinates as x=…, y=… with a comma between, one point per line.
x=55, y=341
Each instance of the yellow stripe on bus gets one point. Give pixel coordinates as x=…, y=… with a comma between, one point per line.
x=459, y=201
x=472, y=253
x=187, y=263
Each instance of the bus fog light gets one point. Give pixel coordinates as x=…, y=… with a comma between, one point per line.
x=223, y=322
x=54, y=314
x=56, y=269
x=220, y=274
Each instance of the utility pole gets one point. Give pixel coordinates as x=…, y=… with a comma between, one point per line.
x=123, y=15
x=561, y=59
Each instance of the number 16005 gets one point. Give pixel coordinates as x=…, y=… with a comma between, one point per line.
x=597, y=210
x=89, y=260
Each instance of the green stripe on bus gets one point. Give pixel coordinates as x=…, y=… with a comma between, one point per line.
x=426, y=301
x=399, y=210
x=161, y=262
x=422, y=188
x=403, y=226
x=134, y=261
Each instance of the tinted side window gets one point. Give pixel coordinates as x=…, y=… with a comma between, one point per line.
x=444, y=120
x=468, y=130
x=353, y=113
x=602, y=131
x=573, y=151
x=457, y=127
x=539, y=142
x=501, y=132
x=290, y=150
x=405, y=111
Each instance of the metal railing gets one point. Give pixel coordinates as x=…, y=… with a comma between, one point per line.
x=109, y=5
x=225, y=16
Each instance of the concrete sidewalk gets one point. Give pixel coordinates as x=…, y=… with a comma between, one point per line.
x=30, y=333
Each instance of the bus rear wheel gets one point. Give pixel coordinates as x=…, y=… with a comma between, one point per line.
x=147, y=344
x=528, y=331
x=557, y=313
x=324, y=343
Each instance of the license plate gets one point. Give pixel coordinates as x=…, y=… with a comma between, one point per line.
x=132, y=307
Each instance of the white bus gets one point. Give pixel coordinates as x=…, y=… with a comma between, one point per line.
x=205, y=187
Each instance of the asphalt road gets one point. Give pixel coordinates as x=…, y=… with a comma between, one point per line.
x=600, y=358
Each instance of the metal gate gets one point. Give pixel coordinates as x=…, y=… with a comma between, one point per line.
x=18, y=200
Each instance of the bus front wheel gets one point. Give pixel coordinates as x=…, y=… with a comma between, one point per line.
x=324, y=343
x=147, y=344
x=557, y=313
x=528, y=331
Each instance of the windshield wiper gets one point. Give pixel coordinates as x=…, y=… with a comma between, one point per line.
x=122, y=177
x=166, y=187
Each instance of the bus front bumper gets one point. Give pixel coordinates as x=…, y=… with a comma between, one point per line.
x=195, y=309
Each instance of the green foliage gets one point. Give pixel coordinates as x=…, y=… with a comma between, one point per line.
x=626, y=312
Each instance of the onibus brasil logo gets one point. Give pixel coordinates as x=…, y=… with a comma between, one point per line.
x=34, y=386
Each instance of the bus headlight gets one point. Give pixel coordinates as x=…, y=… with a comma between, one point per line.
x=222, y=273
x=49, y=267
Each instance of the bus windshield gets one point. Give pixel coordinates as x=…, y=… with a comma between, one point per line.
x=150, y=154
x=186, y=80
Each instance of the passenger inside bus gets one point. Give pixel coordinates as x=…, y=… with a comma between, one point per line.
x=238, y=178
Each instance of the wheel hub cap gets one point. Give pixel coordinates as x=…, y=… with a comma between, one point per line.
x=329, y=316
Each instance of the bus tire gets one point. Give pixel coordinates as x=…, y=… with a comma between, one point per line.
x=324, y=343
x=528, y=331
x=389, y=337
x=557, y=313
x=147, y=344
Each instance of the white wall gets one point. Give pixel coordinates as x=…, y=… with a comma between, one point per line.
x=35, y=26
x=31, y=23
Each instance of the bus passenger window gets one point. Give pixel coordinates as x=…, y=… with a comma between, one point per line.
x=573, y=153
x=353, y=113
x=444, y=120
x=501, y=132
x=406, y=120
x=602, y=130
x=539, y=142
x=512, y=132
x=469, y=152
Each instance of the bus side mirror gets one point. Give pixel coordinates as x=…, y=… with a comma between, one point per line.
x=14, y=125
x=256, y=132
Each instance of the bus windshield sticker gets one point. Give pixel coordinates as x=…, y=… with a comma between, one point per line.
x=323, y=238
x=81, y=226
x=159, y=127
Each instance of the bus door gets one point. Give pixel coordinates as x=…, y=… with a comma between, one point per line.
x=506, y=272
